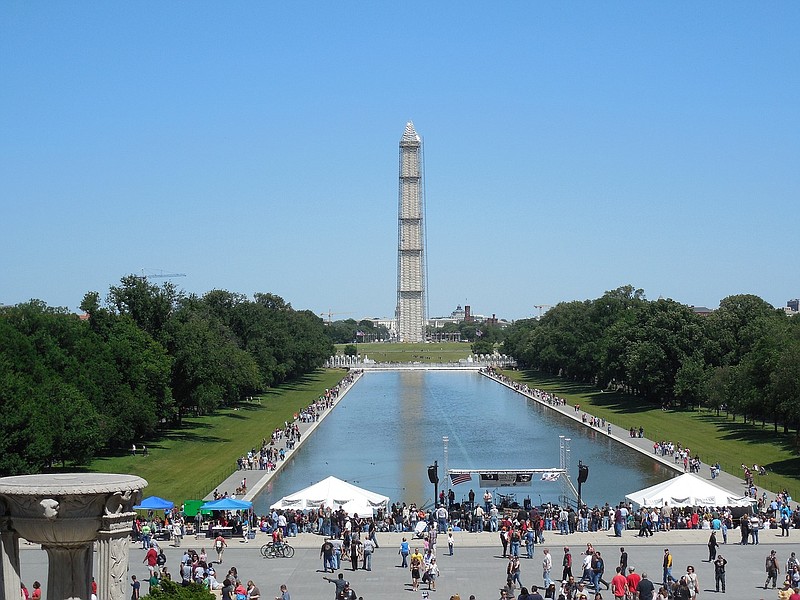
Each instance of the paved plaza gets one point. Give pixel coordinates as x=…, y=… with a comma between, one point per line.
x=477, y=566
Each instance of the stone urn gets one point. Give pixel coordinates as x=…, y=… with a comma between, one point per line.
x=66, y=513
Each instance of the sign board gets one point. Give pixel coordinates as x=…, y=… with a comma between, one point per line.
x=492, y=479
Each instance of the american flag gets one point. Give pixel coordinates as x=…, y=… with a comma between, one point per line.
x=456, y=478
x=550, y=476
x=360, y=333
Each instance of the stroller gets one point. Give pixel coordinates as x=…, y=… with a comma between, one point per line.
x=420, y=528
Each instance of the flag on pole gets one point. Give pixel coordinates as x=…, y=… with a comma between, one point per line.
x=550, y=476
x=456, y=478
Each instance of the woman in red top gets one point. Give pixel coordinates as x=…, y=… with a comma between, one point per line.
x=37, y=591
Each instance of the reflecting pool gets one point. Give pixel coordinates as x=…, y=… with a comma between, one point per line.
x=389, y=427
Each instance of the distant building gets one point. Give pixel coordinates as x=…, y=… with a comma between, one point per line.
x=793, y=306
x=701, y=310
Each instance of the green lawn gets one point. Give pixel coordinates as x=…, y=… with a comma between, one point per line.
x=714, y=438
x=425, y=353
x=191, y=461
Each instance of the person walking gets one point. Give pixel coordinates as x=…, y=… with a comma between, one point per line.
x=504, y=540
x=713, y=544
x=326, y=554
x=719, y=572
x=667, y=565
x=645, y=590
x=404, y=552
x=633, y=579
x=598, y=567
x=566, y=563
x=416, y=565
x=619, y=585
x=433, y=574
x=355, y=551
x=513, y=572
x=253, y=593
x=136, y=586
x=367, y=548
x=219, y=545
x=692, y=582
x=284, y=593
x=547, y=566
x=772, y=568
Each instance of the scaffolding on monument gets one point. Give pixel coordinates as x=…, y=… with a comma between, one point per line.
x=411, y=311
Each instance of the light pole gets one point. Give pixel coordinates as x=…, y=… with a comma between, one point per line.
x=446, y=439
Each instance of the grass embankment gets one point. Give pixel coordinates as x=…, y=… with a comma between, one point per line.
x=190, y=461
x=713, y=438
x=409, y=353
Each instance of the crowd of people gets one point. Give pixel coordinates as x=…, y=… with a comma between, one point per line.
x=196, y=568
x=283, y=439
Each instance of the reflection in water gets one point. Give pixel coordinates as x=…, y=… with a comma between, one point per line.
x=389, y=427
x=410, y=405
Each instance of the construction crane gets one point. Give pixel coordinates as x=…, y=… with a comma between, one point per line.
x=330, y=314
x=541, y=307
x=159, y=274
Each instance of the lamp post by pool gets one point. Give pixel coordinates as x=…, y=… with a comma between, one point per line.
x=445, y=440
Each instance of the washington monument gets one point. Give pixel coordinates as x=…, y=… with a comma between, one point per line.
x=410, y=311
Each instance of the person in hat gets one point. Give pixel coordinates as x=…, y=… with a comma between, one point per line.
x=786, y=591
x=633, y=580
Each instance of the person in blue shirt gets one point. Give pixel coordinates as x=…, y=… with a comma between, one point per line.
x=786, y=519
x=404, y=552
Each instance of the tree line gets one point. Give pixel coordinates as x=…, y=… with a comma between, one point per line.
x=143, y=358
x=743, y=358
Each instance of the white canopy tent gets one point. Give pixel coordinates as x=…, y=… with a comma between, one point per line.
x=687, y=490
x=334, y=493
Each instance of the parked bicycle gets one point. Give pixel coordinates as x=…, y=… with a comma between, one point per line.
x=273, y=550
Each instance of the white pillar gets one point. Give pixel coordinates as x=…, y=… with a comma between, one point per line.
x=9, y=560
x=112, y=556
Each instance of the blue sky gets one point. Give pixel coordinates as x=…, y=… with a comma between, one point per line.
x=570, y=148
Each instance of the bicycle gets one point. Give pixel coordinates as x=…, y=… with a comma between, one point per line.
x=283, y=550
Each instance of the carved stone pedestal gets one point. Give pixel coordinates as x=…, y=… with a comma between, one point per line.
x=66, y=513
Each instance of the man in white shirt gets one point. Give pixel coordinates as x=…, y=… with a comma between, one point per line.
x=282, y=523
x=587, y=568
x=547, y=565
x=441, y=517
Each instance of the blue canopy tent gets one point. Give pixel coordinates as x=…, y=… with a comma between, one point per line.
x=227, y=504
x=154, y=503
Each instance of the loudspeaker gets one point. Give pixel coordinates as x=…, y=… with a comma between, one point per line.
x=583, y=473
x=433, y=474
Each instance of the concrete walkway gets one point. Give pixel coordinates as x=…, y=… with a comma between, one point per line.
x=258, y=479
x=735, y=485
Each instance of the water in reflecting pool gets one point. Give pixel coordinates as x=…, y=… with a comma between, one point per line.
x=389, y=428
